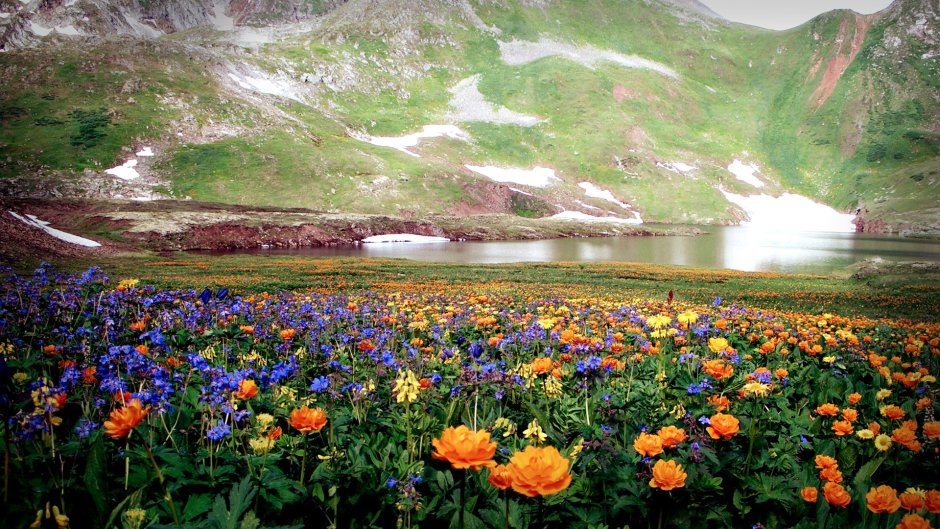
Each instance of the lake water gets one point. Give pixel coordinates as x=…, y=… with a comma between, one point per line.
x=738, y=248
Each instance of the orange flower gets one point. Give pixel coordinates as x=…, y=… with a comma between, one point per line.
x=913, y=521
x=288, y=334
x=671, y=436
x=831, y=474
x=500, y=477
x=465, y=448
x=307, y=420
x=932, y=429
x=539, y=471
x=723, y=426
x=809, y=494
x=827, y=410
x=246, y=389
x=854, y=398
x=850, y=414
x=892, y=412
x=882, y=499
x=932, y=501
x=912, y=499
x=542, y=365
x=125, y=419
x=648, y=445
x=718, y=368
x=720, y=402
x=874, y=427
x=824, y=461
x=668, y=475
x=836, y=494
x=842, y=428
x=275, y=433
x=906, y=437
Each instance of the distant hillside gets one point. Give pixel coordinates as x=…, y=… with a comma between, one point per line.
x=603, y=108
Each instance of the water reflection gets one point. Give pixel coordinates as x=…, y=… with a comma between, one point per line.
x=738, y=248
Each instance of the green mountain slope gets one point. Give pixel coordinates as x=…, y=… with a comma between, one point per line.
x=648, y=101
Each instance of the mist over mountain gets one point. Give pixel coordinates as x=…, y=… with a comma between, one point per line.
x=658, y=110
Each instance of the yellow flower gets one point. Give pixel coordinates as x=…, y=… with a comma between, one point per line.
x=829, y=359
x=261, y=445
x=717, y=345
x=135, y=517
x=508, y=427
x=546, y=323
x=882, y=394
x=883, y=442
x=865, y=434
x=553, y=387
x=20, y=377
x=658, y=321
x=534, y=432
x=756, y=388
x=688, y=317
x=406, y=386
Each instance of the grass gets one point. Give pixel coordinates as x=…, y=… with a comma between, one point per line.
x=895, y=296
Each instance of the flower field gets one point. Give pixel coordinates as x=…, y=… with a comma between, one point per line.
x=130, y=406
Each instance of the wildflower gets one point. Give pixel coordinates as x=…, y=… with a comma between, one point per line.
x=854, y=398
x=841, y=428
x=892, y=412
x=261, y=445
x=542, y=365
x=264, y=420
x=125, y=419
x=688, y=317
x=882, y=499
x=809, y=494
x=883, y=442
x=246, y=389
x=668, y=475
x=219, y=431
x=407, y=386
x=827, y=410
x=932, y=429
x=913, y=521
x=500, y=477
x=319, y=384
x=723, y=426
x=671, y=436
x=658, y=321
x=135, y=517
x=865, y=434
x=720, y=402
x=831, y=474
x=464, y=448
x=648, y=445
x=756, y=389
x=288, y=334
x=932, y=501
x=508, y=427
x=534, y=432
x=836, y=494
x=912, y=499
x=717, y=345
x=824, y=461
x=307, y=420
x=275, y=433
x=882, y=394
x=906, y=438
x=539, y=471
x=718, y=368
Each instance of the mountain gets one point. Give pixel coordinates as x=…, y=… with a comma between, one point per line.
x=652, y=109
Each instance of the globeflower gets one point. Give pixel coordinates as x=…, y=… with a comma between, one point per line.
x=854, y=398
x=882, y=499
x=246, y=389
x=841, y=428
x=500, y=477
x=836, y=494
x=717, y=345
x=809, y=494
x=912, y=499
x=723, y=426
x=671, y=436
x=464, y=448
x=827, y=410
x=824, y=461
x=913, y=521
x=932, y=501
x=648, y=445
x=125, y=419
x=668, y=475
x=307, y=420
x=539, y=471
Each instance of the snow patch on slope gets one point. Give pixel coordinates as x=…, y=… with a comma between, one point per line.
x=595, y=192
x=125, y=171
x=790, y=212
x=584, y=217
x=266, y=85
x=402, y=143
x=536, y=177
x=676, y=167
x=470, y=105
x=31, y=220
x=745, y=173
x=518, y=52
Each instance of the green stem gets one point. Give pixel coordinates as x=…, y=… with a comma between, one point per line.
x=166, y=491
x=303, y=461
x=463, y=487
x=541, y=515
x=506, y=509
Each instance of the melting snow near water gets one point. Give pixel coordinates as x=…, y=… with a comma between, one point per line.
x=584, y=217
x=537, y=177
x=595, y=192
x=790, y=212
x=31, y=220
x=745, y=173
x=404, y=237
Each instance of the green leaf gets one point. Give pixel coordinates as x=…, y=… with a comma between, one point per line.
x=867, y=471
x=196, y=505
x=94, y=475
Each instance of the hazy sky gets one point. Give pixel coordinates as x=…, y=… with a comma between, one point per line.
x=785, y=14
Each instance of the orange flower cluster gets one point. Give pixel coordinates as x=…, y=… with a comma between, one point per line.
x=464, y=448
x=307, y=420
x=882, y=499
x=125, y=419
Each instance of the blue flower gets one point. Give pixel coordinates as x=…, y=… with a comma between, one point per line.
x=219, y=431
x=319, y=384
x=391, y=483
